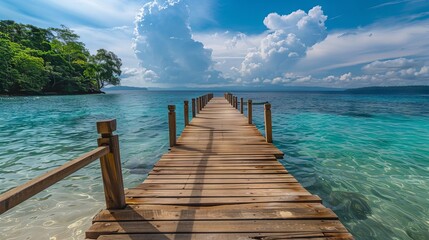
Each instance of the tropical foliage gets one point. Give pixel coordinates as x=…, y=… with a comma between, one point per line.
x=36, y=60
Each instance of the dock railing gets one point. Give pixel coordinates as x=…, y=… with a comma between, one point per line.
x=110, y=163
x=233, y=100
x=198, y=104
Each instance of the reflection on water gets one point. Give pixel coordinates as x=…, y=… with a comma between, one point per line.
x=366, y=156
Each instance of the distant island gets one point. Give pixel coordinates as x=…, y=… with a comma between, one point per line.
x=390, y=90
x=39, y=61
x=123, y=88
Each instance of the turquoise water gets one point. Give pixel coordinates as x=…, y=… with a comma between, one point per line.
x=366, y=156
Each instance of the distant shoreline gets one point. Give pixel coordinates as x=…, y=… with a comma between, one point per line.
x=49, y=94
x=364, y=90
x=124, y=88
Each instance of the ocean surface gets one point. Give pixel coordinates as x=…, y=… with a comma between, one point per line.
x=367, y=156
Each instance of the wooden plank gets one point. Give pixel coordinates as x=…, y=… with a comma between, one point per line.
x=167, y=163
x=261, y=205
x=231, y=236
x=224, y=226
x=231, y=157
x=212, y=201
x=176, y=186
x=208, y=172
x=218, y=168
x=222, y=181
x=198, y=193
x=220, y=176
x=214, y=214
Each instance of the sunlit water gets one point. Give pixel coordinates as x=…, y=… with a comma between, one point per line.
x=366, y=156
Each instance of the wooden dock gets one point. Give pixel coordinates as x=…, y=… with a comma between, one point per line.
x=221, y=180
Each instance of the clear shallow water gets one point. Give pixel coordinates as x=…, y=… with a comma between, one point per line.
x=366, y=156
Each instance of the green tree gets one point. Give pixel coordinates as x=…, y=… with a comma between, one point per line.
x=30, y=74
x=35, y=60
x=6, y=56
x=106, y=68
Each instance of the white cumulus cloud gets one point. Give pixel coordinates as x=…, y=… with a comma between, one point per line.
x=393, y=72
x=164, y=45
x=288, y=40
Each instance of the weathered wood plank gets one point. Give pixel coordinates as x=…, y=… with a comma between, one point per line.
x=221, y=176
x=190, y=186
x=261, y=205
x=207, y=172
x=214, y=214
x=211, y=201
x=231, y=236
x=222, y=181
x=224, y=226
x=230, y=163
x=202, y=167
x=198, y=193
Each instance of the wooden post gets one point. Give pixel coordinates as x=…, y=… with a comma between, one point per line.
x=186, y=112
x=201, y=103
x=111, y=169
x=198, y=104
x=172, y=124
x=193, y=108
x=249, y=111
x=236, y=102
x=241, y=106
x=268, y=123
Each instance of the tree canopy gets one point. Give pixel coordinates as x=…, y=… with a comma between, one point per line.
x=36, y=60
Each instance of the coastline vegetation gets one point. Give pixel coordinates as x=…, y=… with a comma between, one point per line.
x=36, y=60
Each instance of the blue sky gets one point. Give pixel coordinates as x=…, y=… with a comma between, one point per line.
x=264, y=44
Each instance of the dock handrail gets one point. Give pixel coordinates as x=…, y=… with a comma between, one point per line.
x=198, y=104
x=107, y=152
